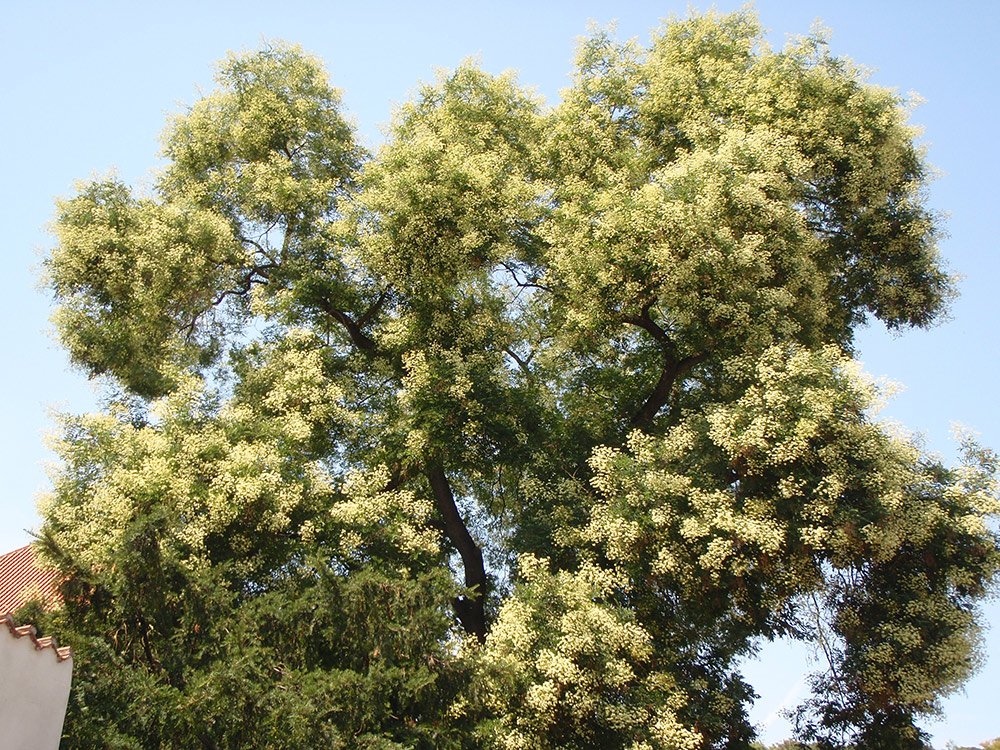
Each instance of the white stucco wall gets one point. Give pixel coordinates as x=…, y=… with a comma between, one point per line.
x=34, y=690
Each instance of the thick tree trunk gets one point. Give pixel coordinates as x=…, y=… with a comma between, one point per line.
x=470, y=608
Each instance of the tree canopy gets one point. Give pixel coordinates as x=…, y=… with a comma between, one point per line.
x=520, y=432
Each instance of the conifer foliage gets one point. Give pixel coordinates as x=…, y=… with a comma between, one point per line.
x=520, y=432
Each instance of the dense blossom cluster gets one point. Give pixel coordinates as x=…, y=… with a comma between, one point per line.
x=519, y=433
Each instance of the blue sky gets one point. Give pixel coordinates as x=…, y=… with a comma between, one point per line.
x=90, y=84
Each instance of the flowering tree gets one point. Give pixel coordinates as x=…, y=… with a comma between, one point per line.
x=519, y=433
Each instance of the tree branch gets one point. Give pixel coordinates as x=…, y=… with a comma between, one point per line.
x=360, y=339
x=673, y=369
x=645, y=321
x=522, y=363
x=259, y=248
x=527, y=283
x=262, y=271
x=469, y=608
x=374, y=309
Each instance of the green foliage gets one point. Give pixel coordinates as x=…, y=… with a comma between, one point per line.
x=519, y=433
x=563, y=668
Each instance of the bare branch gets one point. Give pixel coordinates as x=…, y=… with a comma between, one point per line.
x=259, y=274
x=259, y=248
x=527, y=283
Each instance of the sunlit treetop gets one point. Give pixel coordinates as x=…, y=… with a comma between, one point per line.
x=570, y=387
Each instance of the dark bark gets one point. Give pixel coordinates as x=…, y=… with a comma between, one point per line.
x=470, y=608
x=674, y=366
x=672, y=370
x=359, y=338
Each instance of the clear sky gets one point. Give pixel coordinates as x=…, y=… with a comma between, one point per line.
x=90, y=84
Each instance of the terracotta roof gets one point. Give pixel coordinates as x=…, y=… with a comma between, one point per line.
x=20, y=631
x=23, y=579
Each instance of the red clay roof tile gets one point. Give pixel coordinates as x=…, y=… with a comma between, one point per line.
x=23, y=579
